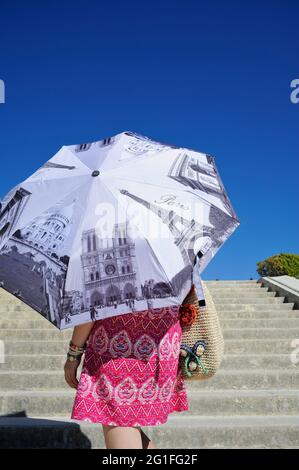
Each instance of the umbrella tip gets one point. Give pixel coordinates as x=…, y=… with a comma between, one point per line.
x=95, y=173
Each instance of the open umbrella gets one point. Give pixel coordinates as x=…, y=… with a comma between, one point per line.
x=120, y=225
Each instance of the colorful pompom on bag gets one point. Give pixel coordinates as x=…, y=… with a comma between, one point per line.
x=202, y=345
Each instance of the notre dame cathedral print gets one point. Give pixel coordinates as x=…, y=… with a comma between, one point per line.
x=113, y=280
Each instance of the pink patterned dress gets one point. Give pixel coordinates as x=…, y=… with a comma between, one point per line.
x=130, y=374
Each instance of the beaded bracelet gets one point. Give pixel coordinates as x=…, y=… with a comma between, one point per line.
x=74, y=347
x=75, y=352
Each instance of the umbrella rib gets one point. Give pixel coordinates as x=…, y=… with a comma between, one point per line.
x=84, y=206
x=77, y=158
x=48, y=177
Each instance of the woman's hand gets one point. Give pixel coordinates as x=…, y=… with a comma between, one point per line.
x=79, y=338
x=70, y=373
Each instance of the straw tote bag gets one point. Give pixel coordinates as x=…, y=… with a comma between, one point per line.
x=202, y=343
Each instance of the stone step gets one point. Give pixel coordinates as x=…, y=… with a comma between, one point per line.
x=236, y=333
x=256, y=314
x=259, y=361
x=202, y=431
x=17, y=307
x=221, y=293
x=292, y=323
x=233, y=282
x=271, y=303
x=226, y=323
x=26, y=315
x=36, y=347
x=252, y=379
x=251, y=301
x=8, y=307
x=33, y=362
x=233, y=289
x=230, y=361
x=224, y=291
x=251, y=346
x=246, y=299
x=261, y=333
x=222, y=309
x=225, y=378
x=254, y=307
x=25, y=324
x=258, y=346
x=32, y=315
x=244, y=295
x=36, y=321
x=218, y=297
x=201, y=402
x=31, y=334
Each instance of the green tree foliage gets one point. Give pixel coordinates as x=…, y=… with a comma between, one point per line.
x=279, y=265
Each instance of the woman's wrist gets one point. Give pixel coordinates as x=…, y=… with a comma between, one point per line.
x=78, y=343
x=75, y=352
x=72, y=357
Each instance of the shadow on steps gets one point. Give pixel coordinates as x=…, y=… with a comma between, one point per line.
x=17, y=431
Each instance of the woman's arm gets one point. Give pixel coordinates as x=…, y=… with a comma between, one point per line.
x=79, y=338
x=81, y=333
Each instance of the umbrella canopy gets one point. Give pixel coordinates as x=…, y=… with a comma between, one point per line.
x=120, y=225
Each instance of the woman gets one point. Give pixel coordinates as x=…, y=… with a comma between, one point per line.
x=130, y=376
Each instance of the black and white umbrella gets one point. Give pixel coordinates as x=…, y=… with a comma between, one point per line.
x=120, y=225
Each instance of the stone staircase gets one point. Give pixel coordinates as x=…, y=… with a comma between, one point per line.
x=252, y=402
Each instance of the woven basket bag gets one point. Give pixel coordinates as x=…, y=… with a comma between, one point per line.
x=202, y=345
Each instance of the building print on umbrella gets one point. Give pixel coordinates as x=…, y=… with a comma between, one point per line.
x=49, y=235
x=187, y=232
x=109, y=266
x=199, y=172
x=100, y=143
x=140, y=145
x=33, y=260
x=10, y=213
x=185, y=238
x=111, y=277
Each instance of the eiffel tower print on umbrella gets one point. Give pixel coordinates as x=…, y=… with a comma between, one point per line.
x=110, y=227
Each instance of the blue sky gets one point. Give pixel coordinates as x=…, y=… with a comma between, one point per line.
x=213, y=76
